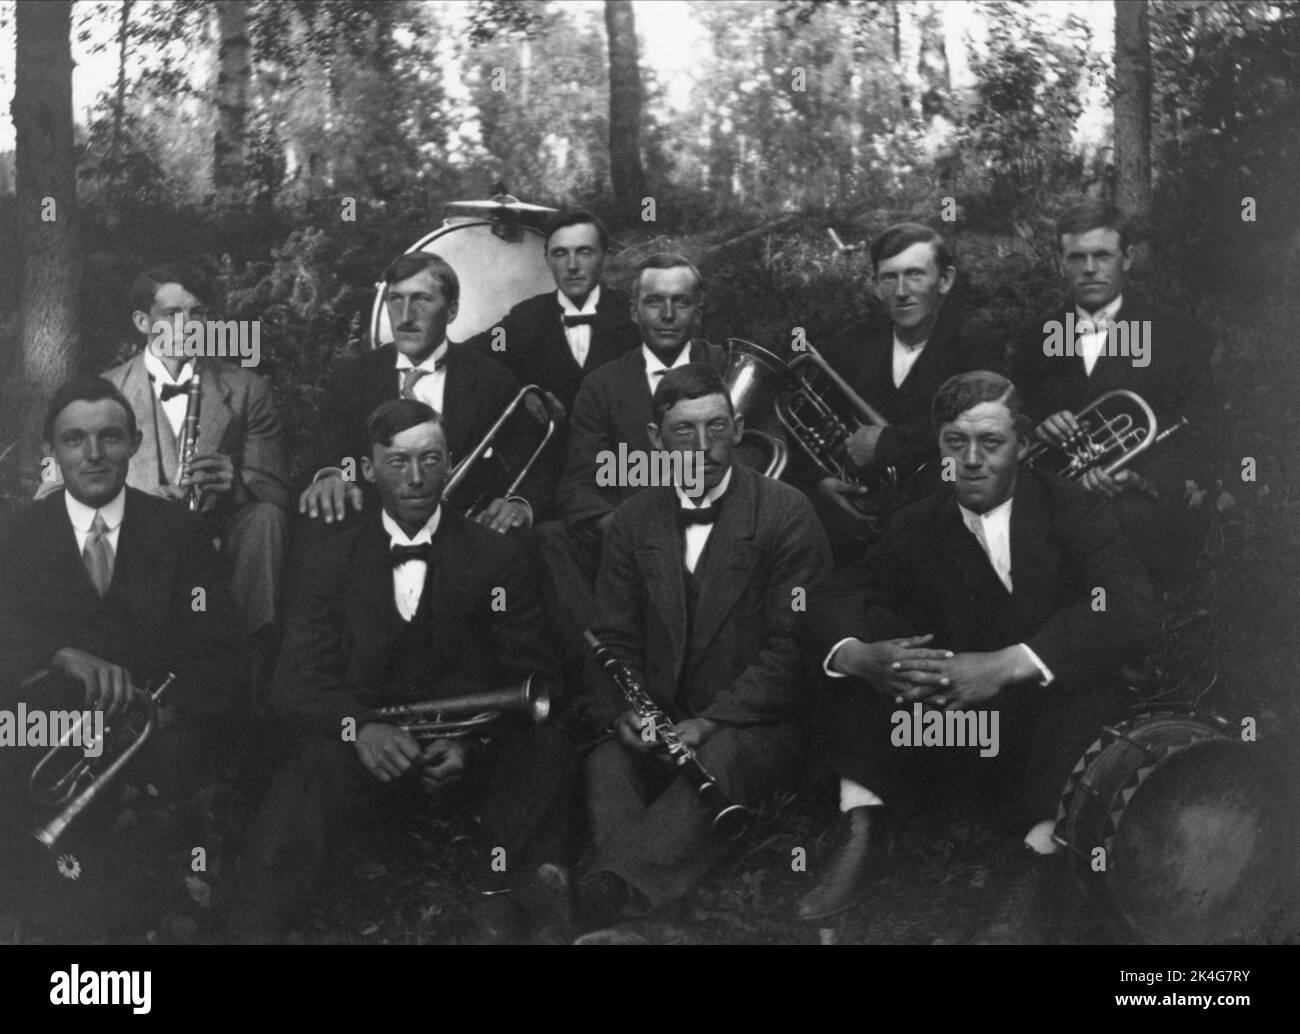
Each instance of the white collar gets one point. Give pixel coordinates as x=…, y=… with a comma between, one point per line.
x=397, y=537
x=710, y=497
x=430, y=362
x=83, y=516
x=653, y=362
x=588, y=307
x=156, y=369
x=1106, y=312
x=1003, y=510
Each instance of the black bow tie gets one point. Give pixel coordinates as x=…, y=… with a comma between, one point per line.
x=170, y=391
x=582, y=320
x=401, y=554
x=688, y=515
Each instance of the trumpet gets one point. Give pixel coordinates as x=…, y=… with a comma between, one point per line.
x=485, y=451
x=1114, y=429
x=69, y=780
x=753, y=377
x=430, y=720
x=821, y=412
x=189, y=440
x=730, y=820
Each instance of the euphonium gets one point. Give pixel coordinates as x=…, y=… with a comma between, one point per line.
x=189, y=440
x=730, y=820
x=484, y=450
x=66, y=778
x=822, y=417
x=429, y=720
x=753, y=378
x=1114, y=429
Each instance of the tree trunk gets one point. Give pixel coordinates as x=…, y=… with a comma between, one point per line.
x=624, y=110
x=48, y=237
x=230, y=147
x=1132, y=104
x=119, y=106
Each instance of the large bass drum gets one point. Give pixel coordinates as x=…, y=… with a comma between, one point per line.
x=1178, y=828
x=495, y=247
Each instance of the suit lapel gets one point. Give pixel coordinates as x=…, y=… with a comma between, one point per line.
x=158, y=438
x=727, y=563
x=66, y=566
x=1032, y=568
x=459, y=395
x=611, y=311
x=137, y=572
x=215, y=412
x=660, y=559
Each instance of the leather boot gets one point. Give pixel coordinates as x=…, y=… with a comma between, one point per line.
x=863, y=843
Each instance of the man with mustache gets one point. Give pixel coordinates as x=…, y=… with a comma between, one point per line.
x=981, y=597
x=422, y=292
x=1168, y=364
x=409, y=603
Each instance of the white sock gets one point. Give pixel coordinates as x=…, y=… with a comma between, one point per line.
x=1039, y=839
x=855, y=795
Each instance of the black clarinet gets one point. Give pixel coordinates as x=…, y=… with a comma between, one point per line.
x=730, y=820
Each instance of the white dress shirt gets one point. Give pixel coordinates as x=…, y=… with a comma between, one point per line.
x=430, y=388
x=83, y=516
x=697, y=535
x=655, y=369
x=408, y=577
x=993, y=532
x=905, y=357
x=1093, y=333
x=579, y=337
x=174, y=407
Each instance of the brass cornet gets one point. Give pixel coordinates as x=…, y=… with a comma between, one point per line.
x=430, y=720
x=485, y=451
x=68, y=779
x=821, y=412
x=1114, y=429
x=754, y=377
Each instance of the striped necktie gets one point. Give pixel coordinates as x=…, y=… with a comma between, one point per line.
x=98, y=555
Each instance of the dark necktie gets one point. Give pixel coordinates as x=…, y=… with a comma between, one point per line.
x=97, y=555
x=688, y=515
x=401, y=554
x=170, y=391
x=581, y=320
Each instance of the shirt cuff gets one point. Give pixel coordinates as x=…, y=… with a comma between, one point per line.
x=826, y=664
x=1046, y=676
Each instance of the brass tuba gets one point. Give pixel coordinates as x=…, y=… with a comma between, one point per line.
x=429, y=720
x=1114, y=429
x=821, y=412
x=753, y=377
x=529, y=395
x=69, y=780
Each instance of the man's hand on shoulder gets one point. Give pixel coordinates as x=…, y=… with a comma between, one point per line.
x=328, y=497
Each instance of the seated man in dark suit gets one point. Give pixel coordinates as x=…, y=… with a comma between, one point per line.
x=409, y=603
x=107, y=589
x=556, y=339
x=1011, y=598
x=895, y=365
x=454, y=379
x=1104, y=338
x=697, y=596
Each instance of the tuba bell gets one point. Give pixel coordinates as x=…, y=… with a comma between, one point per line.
x=754, y=376
x=1114, y=429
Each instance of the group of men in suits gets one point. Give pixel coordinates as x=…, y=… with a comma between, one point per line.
x=716, y=592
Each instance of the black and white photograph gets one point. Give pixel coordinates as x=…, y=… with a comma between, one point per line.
x=651, y=472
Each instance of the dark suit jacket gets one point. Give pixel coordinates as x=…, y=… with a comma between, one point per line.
x=1176, y=383
x=613, y=406
x=863, y=354
x=146, y=623
x=739, y=663
x=477, y=392
x=930, y=574
x=537, y=352
x=237, y=416
x=339, y=657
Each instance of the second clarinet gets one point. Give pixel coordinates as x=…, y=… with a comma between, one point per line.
x=730, y=820
x=189, y=440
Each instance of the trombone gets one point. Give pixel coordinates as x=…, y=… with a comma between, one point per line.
x=529, y=393
x=1114, y=429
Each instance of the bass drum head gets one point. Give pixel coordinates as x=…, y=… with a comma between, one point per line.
x=495, y=274
x=1203, y=847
